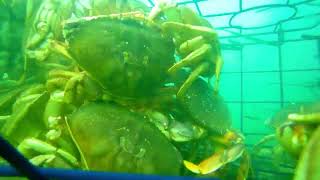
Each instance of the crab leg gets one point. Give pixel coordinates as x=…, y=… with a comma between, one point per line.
x=57, y=79
x=218, y=68
x=198, y=48
x=41, y=55
x=73, y=88
x=61, y=74
x=263, y=141
x=56, y=83
x=42, y=24
x=192, y=77
x=42, y=159
x=45, y=148
x=245, y=166
x=173, y=27
x=191, y=45
x=60, y=48
x=193, y=58
x=305, y=118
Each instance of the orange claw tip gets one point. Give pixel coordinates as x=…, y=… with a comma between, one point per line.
x=192, y=167
x=213, y=163
x=208, y=165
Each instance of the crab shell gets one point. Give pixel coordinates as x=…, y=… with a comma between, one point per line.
x=206, y=108
x=113, y=138
x=128, y=57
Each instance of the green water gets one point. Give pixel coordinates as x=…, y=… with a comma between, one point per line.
x=101, y=94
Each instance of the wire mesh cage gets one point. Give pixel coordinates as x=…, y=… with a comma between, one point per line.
x=271, y=52
x=272, y=59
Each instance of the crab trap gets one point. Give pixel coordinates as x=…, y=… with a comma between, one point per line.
x=188, y=89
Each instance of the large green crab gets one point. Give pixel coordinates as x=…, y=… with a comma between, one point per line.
x=105, y=135
x=43, y=130
x=196, y=42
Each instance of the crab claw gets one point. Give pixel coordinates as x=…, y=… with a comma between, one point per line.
x=208, y=165
x=216, y=161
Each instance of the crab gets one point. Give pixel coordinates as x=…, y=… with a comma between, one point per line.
x=62, y=139
x=49, y=140
x=196, y=42
x=105, y=68
x=304, y=136
x=122, y=141
x=296, y=130
x=74, y=50
x=140, y=67
x=45, y=24
x=294, y=126
x=57, y=139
